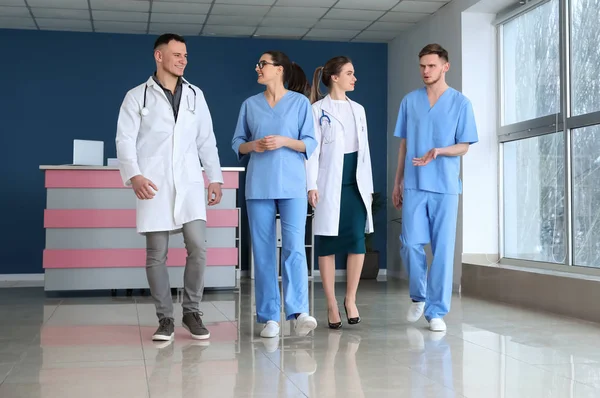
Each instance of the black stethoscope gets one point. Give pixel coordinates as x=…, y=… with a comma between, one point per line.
x=145, y=110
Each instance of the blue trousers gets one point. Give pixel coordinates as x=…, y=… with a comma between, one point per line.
x=429, y=217
x=294, y=272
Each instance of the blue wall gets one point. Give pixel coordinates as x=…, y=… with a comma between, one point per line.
x=62, y=85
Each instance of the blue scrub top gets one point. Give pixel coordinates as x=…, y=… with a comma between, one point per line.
x=278, y=174
x=450, y=121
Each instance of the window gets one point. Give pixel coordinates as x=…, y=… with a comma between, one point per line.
x=534, y=190
x=585, y=56
x=540, y=221
x=531, y=64
x=586, y=196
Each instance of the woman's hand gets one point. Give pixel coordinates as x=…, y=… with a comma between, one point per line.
x=258, y=145
x=272, y=142
x=313, y=197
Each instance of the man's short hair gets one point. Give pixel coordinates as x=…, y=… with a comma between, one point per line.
x=434, y=49
x=166, y=38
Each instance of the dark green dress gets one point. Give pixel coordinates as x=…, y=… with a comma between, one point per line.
x=353, y=216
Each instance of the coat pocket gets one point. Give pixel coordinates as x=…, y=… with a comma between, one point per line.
x=153, y=168
x=193, y=169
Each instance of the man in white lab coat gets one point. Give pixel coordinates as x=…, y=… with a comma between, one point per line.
x=163, y=132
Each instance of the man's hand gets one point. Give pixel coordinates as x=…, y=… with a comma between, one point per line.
x=398, y=195
x=313, y=197
x=272, y=142
x=429, y=156
x=214, y=194
x=143, y=187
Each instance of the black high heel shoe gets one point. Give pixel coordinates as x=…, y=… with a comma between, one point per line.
x=351, y=321
x=334, y=325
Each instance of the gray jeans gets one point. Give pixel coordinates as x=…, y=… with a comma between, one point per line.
x=157, y=245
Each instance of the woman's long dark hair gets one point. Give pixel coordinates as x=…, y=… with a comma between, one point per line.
x=333, y=67
x=293, y=75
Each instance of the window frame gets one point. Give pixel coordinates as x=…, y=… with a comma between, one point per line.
x=561, y=121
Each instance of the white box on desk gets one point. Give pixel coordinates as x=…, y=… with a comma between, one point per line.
x=88, y=153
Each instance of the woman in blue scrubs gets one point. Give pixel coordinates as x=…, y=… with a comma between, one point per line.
x=275, y=128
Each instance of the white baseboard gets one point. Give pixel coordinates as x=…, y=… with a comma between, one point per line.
x=21, y=277
x=339, y=273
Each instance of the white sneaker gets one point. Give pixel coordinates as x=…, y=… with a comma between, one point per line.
x=305, y=323
x=271, y=329
x=415, y=312
x=271, y=344
x=437, y=325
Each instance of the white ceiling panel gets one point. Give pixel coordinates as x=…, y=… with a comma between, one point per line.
x=393, y=16
x=341, y=24
x=267, y=31
x=118, y=5
x=64, y=24
x=78, y=4
x=225, y=20
x=247, y=2
x=60, y=13
x=354, y=15
x=181, y=8
x=6, y=11
x=20, y=3
x=120, y=16
x=17, y=23
x=390, y=26
x=176, y=18
x=291, y=22
x=227, y=9
x=222, y=30
x=305, y=3
x=297, y=12
x=382, y=5
x=370, y=35
x=333, y=33
x=120, y=27
x=183, y=29
x=419, y=6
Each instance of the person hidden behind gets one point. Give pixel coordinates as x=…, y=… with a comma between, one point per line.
x=340, y=183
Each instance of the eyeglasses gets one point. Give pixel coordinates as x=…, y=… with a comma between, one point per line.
x=262, y=64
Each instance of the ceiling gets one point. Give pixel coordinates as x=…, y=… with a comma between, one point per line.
x=333, y=20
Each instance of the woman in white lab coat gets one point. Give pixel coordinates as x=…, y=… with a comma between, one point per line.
x=340, y=183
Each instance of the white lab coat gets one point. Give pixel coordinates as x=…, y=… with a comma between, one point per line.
x=168, y=154
x=325, y=167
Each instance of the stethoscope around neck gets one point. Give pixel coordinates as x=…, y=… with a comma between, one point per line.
x=145, y=110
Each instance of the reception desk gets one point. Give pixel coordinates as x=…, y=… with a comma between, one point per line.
x=91, y=237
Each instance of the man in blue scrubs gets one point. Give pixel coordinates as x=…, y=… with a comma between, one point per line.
x=436, y=125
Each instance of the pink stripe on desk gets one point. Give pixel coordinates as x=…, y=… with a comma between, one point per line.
x=123, y=218
x=121, y=258
x=112, y=179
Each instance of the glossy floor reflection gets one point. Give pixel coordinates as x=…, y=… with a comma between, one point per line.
x=101, y=347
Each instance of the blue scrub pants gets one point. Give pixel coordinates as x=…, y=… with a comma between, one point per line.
x=261, y=216
x=429, y=217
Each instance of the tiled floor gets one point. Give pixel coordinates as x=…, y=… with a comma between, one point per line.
x=101, y=347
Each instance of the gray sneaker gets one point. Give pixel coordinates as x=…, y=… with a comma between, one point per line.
x=193, y=323
x=165, y=331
